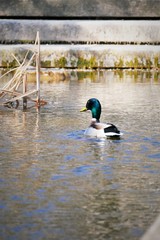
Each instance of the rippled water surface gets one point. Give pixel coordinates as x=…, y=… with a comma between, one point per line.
x=55, y=183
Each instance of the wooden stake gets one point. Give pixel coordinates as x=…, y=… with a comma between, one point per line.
x=38, y=70
x=24, y=90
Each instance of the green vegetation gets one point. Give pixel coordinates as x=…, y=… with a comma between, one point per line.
x=92, y=62
x=46, y=64
x=148, y=63
x=60, y=63
x=135, y=63
x=73, y=63
x=156, y=62
x=119, y=64
x=83, y=63
x=9, y=64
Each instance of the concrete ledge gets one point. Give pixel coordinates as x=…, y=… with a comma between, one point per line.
x=86, y=56
x=51, y=31
x=80, y=8
x=153, y=233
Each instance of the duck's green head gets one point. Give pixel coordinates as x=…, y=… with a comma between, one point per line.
x=94, y=105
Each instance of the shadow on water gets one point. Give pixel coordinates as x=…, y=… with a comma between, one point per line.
x=56, y=183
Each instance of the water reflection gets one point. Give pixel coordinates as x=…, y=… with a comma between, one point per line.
x=56, y=183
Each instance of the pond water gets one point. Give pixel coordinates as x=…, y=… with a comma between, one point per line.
x=56, y=183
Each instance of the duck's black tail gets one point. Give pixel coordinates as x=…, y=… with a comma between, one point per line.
x=111, y=128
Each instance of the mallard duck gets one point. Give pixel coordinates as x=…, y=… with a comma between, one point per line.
x=97, y=129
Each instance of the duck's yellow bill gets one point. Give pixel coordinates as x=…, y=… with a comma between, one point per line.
x=83, y=109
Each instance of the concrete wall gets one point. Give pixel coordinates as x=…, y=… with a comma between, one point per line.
x=81, y=31
x=90, y=43
x=80, y=8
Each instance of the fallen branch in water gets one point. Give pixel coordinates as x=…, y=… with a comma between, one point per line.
x=19, y=78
